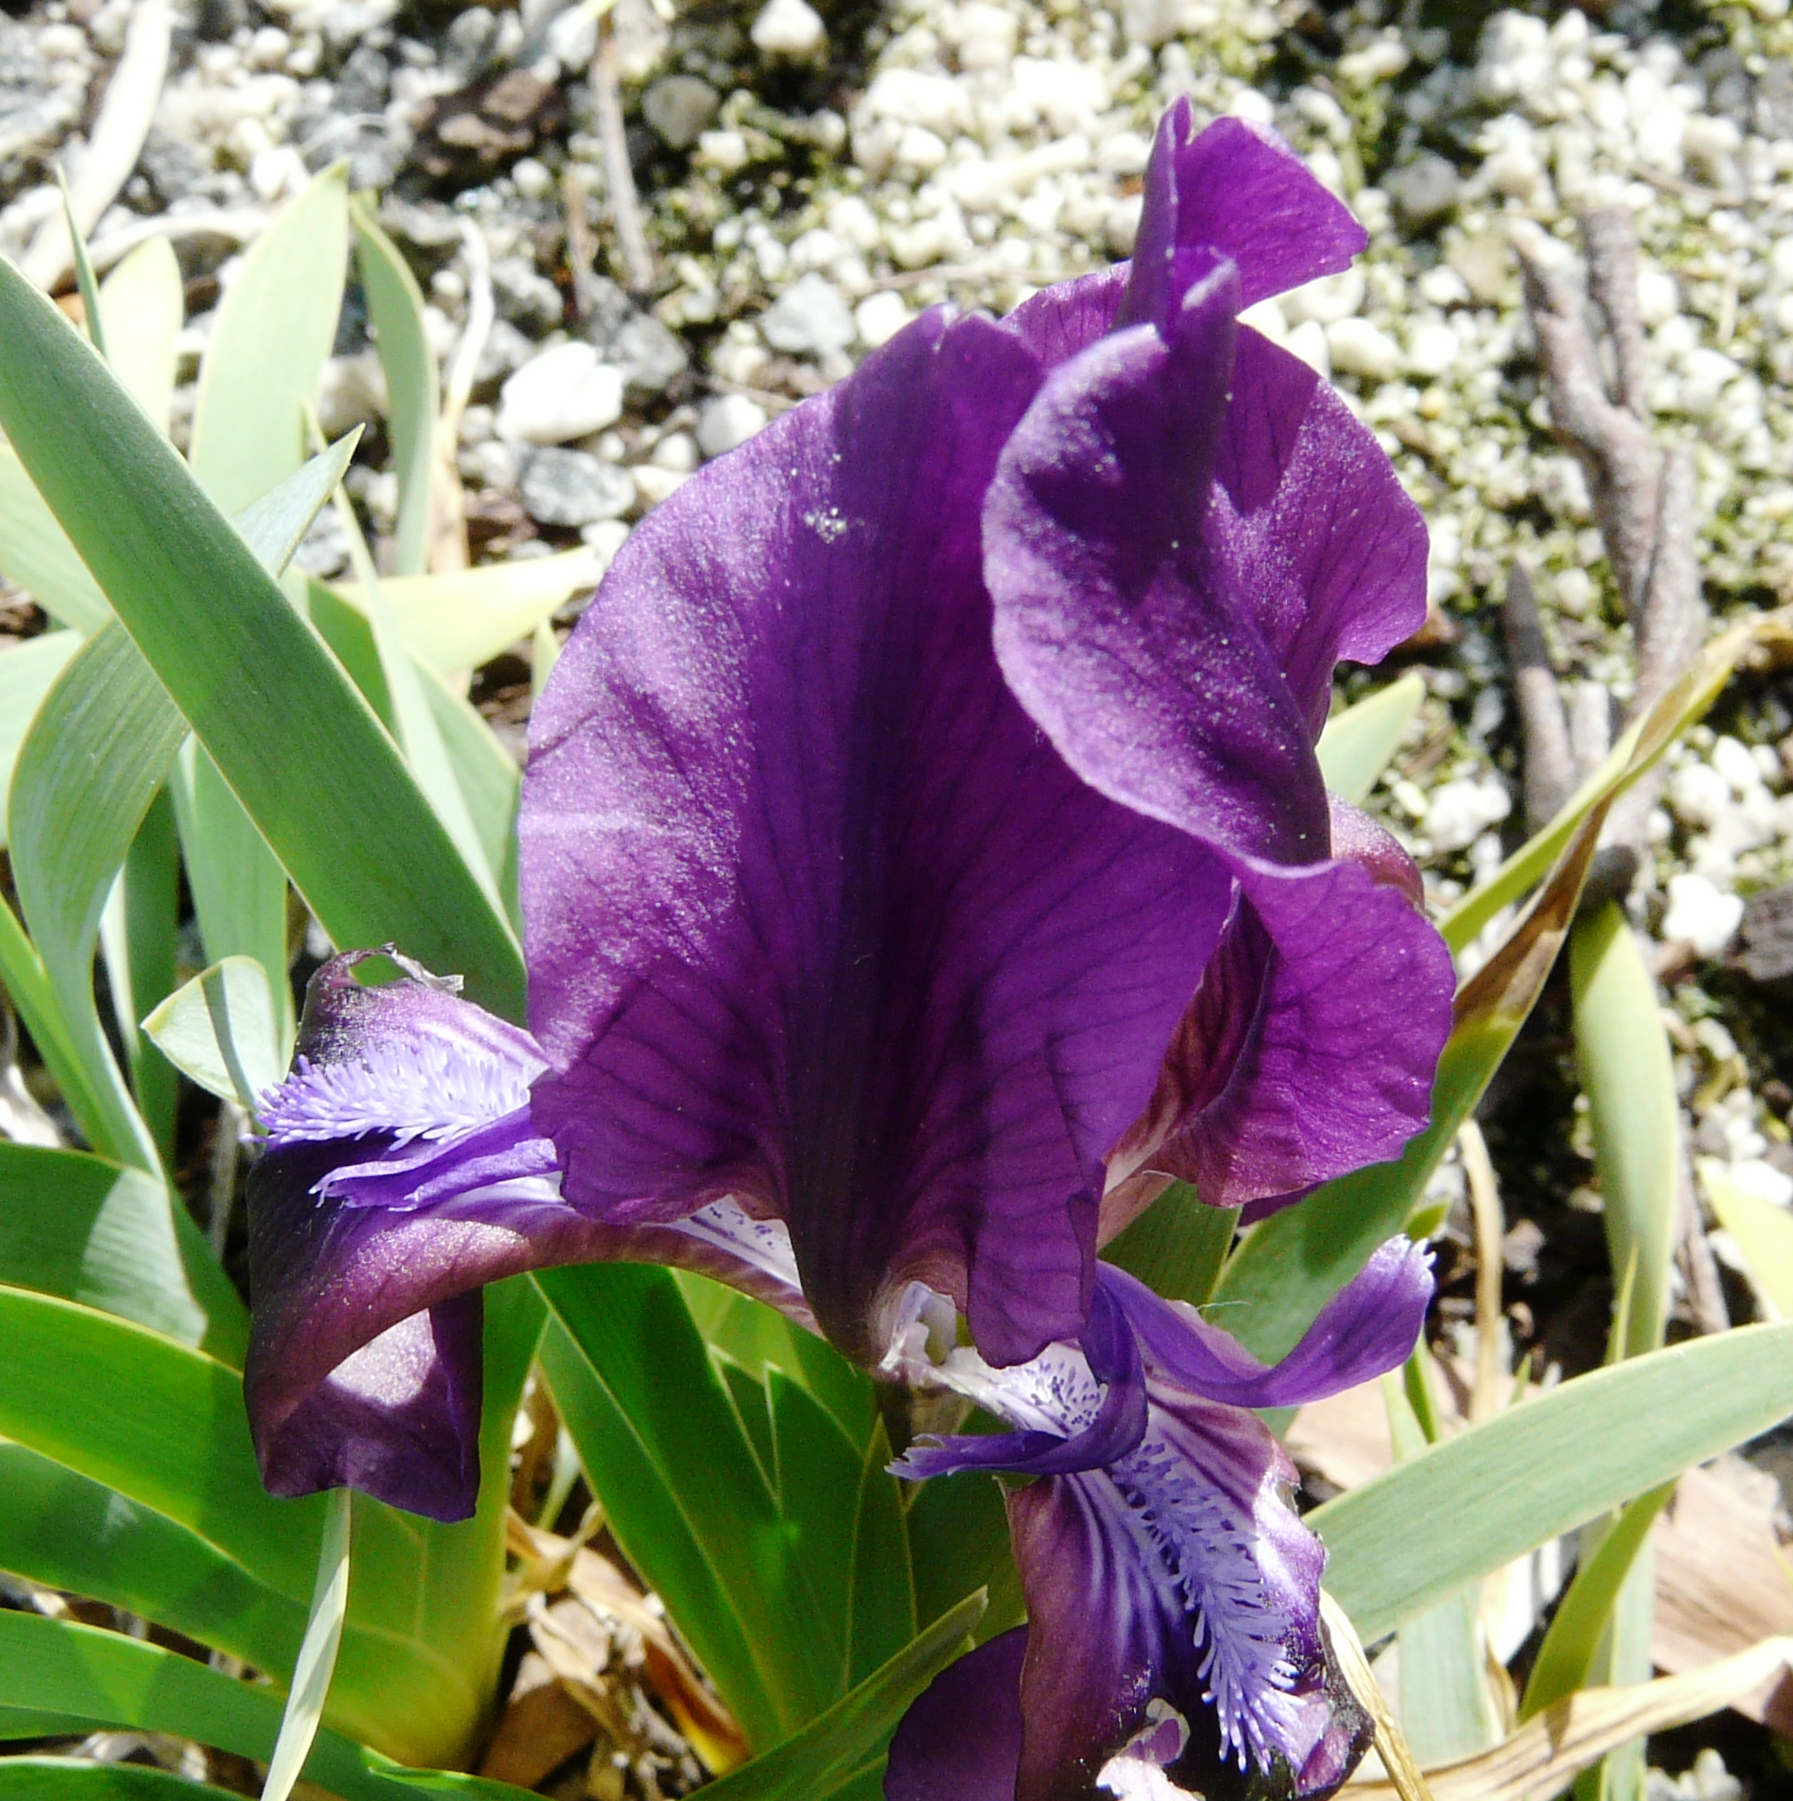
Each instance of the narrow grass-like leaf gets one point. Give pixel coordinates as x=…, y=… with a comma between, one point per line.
x=299, y=747
x=1294, y=1262
x=267, y=348
x=221, y=1031
x=1763, y=1231
x=140, y=935
x=56, y=1666
x=274, y=524
x=65, y=1531
x=395, y=310
x=1357, y=743
x=143, y=306
x=28, y=987
x=237, y=883
x=105, y=1236
x=413, y=719
x=165, y=1426
x=684, y=1490
x=1628, y=1075
x=89, y=768
x=833, y=1749
x=76, y=1779
x=1178, y=1245
x=1446, y=1710
x=1406, y=1539
x=85, y=285
x=1566, y=1657
x=882, y=1614
x=317, y=1654
x=958, y=1544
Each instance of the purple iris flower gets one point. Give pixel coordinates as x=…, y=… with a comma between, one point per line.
x=923, y=857
x=1174, y=1641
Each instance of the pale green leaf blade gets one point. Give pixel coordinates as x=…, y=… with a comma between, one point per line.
x=1628, y=1075
x=65, y=1531
x=462, y=620
x=76, y=1779
x=413, y=717
x=267, y=348
x=1356, y=745
x=296, y=742
x=35, y=553
x=317, y=1654
x=85, y=285
x=395, y=310
x=1763, y=1231
x=1405, y=1540
x=96, y=753
x=221, y=1031
x=275, y=523
x=143, y=306
x=1446, y=1710
x=26, y=674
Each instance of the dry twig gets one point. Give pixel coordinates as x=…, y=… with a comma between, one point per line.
x=625, y=204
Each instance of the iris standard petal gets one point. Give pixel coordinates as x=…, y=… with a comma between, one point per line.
x=1149, y=632
x=814, y=915
x=1308, y=520
x=1312, y=1043
x=1368, y=1328
x=1236, y=188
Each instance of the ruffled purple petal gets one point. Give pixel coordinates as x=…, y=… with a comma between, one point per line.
x=1135, y=653
x=1060, y=321
x=814, y=915
x=1238, y=189
x=367, y=1249
x=1308, y=519
x=1311, y=1046
x=1368, y=1328
x=961, y=1738
x=1357, y=838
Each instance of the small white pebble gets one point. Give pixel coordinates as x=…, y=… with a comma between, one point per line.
x=880, y=317
x=792, y=29
x=1700, y=914
x=727, y=421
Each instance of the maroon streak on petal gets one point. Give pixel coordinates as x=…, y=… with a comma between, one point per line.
x=814, y=914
